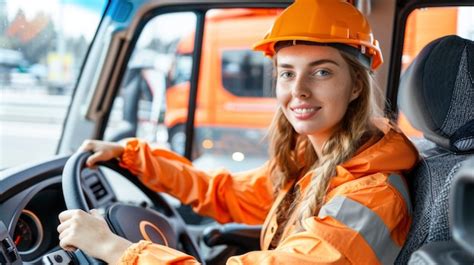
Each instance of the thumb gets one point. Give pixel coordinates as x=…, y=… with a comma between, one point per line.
x=94, y=158
x=96, y=213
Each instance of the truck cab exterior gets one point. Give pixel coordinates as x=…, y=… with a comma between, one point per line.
x=235, y=83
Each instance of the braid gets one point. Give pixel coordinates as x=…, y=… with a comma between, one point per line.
x=335, y=151
x=284, y=139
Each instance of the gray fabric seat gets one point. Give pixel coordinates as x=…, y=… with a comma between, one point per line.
x=437, y=95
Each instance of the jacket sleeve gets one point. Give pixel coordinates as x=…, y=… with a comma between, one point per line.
x=147, y=253
x=356, y=226
x=244, y=197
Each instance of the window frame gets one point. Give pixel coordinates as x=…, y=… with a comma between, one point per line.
x=403, y=10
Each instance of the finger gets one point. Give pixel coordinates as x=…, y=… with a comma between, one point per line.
x=94, y=158
x=68, y=214
x=71, y=227
x=96, y=213
x=70, y=249
x=87, y=145
x=63, y=234
x=63, y=226
x=66, y=243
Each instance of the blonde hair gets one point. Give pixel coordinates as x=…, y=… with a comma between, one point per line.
x=293, y=155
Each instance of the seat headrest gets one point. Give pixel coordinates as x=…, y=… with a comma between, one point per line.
x=436, y=93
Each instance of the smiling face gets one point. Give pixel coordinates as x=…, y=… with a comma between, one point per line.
x=314, y=88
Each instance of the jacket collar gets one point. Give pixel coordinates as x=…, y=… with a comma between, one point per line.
x=392, y=153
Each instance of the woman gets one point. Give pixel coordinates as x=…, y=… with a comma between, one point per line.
x=332, y=191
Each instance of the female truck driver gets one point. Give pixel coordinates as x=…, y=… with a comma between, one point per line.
x=332, y=191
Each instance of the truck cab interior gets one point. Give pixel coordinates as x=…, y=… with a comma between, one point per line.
x=143, y=58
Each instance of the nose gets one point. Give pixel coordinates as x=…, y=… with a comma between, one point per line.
x=300, y=89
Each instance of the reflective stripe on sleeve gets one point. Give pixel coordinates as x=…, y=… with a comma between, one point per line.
x=366, y=222
x=397, y=182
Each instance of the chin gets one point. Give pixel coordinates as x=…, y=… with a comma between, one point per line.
x=306, y=131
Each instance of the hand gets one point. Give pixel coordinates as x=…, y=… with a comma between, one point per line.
x=103, y=151
x=91, y=234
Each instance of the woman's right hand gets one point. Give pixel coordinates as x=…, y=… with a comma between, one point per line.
x=102, y=151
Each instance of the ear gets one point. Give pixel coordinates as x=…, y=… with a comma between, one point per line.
x=356, y=90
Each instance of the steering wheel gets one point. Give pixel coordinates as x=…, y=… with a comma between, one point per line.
x=165, y=226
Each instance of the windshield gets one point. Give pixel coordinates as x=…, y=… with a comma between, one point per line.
x=42, y=47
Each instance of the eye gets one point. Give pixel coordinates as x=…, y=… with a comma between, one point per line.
x=286, y=75
x=322, y=73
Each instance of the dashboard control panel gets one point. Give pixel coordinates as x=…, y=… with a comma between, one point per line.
x=8, y=251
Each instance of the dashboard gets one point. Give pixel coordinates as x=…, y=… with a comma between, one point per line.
x=35, y=230
x=29, y=208
x=31, y=199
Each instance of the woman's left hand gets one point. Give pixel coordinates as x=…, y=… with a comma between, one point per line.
x=91, y=234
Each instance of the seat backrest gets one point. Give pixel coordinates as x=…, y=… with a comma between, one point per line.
x=437, y=95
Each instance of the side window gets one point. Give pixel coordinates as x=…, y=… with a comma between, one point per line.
x=246, y=73
x=234, y=104
x=425, y=25
x=180, y=70
x=152, y=103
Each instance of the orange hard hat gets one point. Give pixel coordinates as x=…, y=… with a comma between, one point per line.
x=327, y=22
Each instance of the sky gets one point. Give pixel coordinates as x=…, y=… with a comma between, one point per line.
x=81, y=17
x=76, y=19
x=52, y=6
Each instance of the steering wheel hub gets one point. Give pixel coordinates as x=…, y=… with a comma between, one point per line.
x=136, y=223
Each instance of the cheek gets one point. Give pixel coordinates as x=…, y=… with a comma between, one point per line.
x=282, y=95
x=343, y=91
x=338, y=99
x=283, y=98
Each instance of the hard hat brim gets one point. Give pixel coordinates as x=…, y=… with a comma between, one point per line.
x=267, y=46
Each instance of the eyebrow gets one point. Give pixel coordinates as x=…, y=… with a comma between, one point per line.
x=315, y=63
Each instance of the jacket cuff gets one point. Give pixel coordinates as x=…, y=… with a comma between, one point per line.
x=132, y=252
x=130, y=153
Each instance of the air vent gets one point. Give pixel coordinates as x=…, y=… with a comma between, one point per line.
x=97, y=190
x=96, y=187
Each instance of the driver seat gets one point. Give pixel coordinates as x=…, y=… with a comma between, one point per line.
x=437, y=95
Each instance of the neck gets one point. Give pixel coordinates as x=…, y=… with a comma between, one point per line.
x=318, y=141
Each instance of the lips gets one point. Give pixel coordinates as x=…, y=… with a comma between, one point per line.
x=304, y=112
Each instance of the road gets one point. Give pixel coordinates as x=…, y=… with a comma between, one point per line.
x=30, y=126
x=20, y=143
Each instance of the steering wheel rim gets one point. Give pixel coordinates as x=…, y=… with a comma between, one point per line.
x=75, y=199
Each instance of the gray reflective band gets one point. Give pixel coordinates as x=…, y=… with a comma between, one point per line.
x=397, y=182
x=367, y=223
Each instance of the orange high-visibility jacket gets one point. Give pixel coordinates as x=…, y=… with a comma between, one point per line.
x=364, y=220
